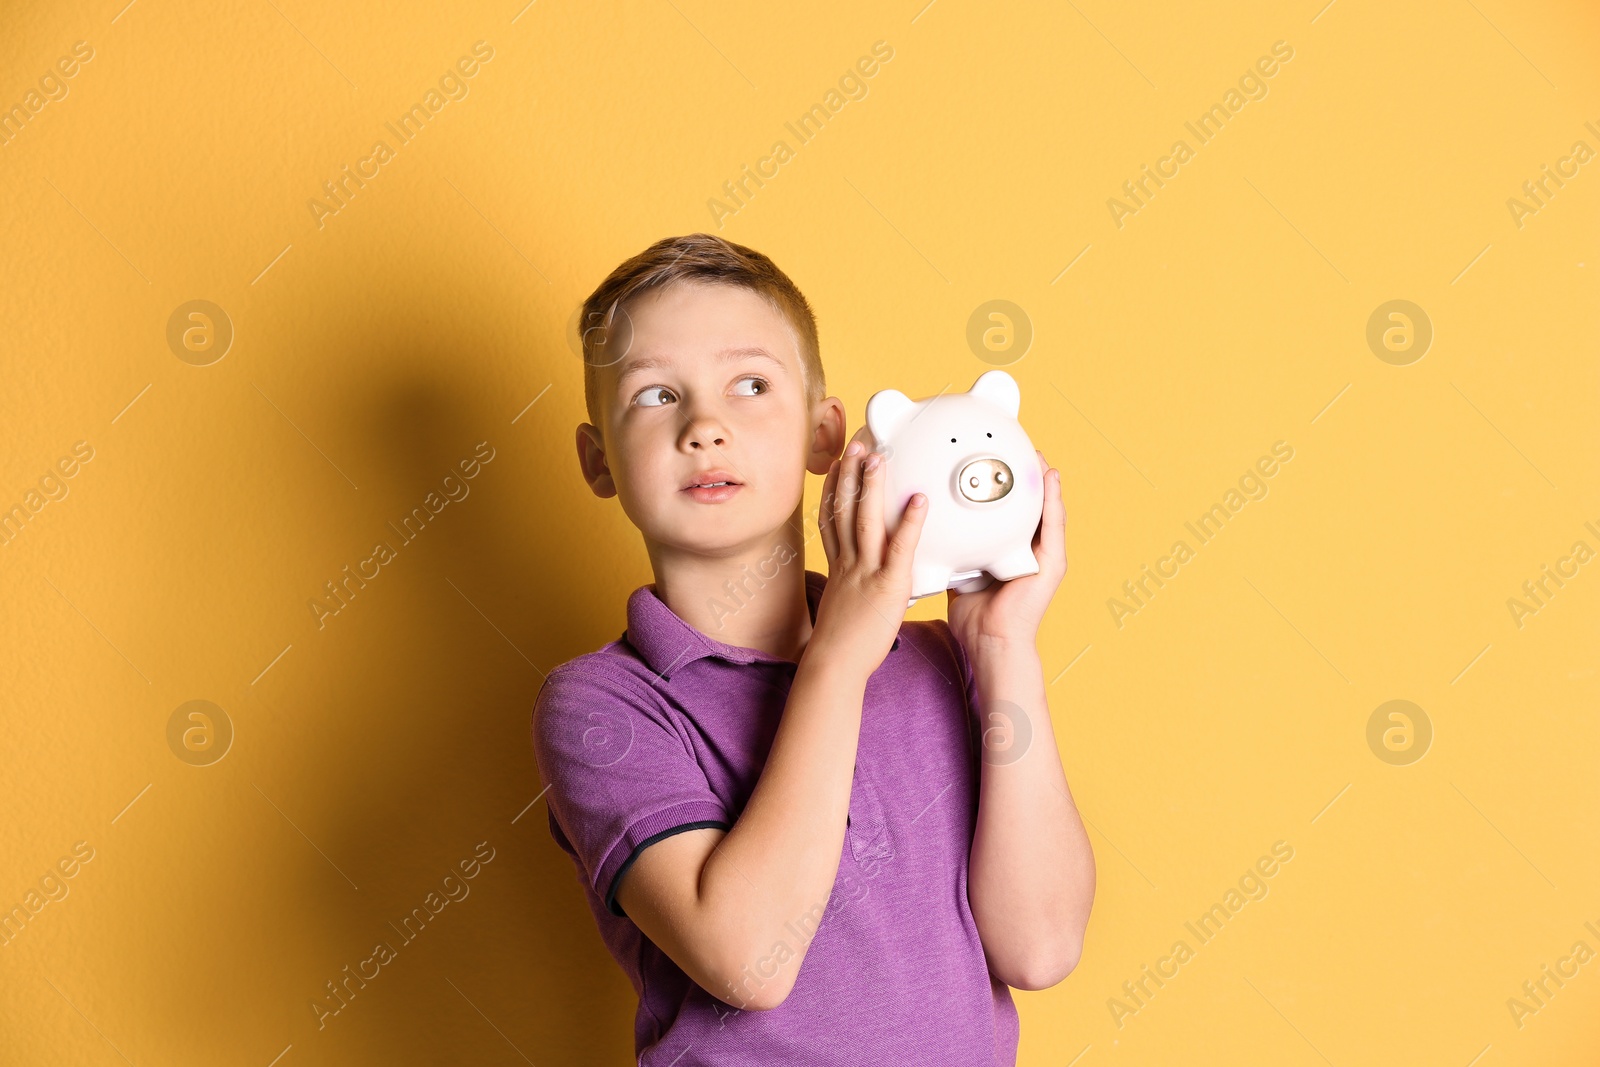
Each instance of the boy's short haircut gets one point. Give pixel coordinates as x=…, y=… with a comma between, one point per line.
x=702, y=257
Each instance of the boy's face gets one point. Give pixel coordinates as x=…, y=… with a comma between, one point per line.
x=711, y=388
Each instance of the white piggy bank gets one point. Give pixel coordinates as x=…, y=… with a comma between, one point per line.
x=968, y=454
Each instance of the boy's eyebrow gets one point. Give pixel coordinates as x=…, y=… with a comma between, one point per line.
x=644, y=363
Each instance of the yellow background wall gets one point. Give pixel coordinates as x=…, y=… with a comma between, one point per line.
x=375, y=347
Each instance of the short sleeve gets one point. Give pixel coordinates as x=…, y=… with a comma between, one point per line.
x=619, y=775
x=969, y=684
x=963, y=665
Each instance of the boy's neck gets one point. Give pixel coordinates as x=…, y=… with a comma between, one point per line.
x=730, y=598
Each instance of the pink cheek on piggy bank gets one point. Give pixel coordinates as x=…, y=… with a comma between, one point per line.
x=1035, y=482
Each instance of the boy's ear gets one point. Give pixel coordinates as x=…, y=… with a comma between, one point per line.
x=827, y=440
x=592, y=459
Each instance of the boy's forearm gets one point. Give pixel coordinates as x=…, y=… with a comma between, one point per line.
x=1031, y=876
x=768, y=881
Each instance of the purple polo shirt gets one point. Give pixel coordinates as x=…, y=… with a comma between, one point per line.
x=666, y=730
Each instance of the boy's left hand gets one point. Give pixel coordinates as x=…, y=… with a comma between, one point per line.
x=1012, y=610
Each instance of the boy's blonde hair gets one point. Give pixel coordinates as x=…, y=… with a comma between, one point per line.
x=701, y=257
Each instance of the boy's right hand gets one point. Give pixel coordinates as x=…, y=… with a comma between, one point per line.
x=869, y=573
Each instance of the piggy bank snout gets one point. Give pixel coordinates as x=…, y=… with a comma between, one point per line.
x=984, y=481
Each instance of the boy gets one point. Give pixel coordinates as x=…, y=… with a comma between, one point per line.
x=770, y=784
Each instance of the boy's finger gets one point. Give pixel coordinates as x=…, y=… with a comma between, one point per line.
x=903, y=545
x=830, y=540
x=844, y=505
x=1052, y=524
x=869, y=512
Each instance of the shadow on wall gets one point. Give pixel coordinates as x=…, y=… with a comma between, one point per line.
x=399, y=741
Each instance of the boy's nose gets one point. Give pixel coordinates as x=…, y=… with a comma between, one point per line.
x=700, y=432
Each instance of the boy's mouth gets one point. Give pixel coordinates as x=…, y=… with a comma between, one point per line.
x=711, y=487
x=711, y=479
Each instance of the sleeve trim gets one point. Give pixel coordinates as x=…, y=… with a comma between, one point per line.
x=611, y=893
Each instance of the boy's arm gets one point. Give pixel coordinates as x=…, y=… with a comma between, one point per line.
x=1031, y=875
x=721, y=905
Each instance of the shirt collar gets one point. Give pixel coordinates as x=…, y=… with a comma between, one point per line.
x=666, y=643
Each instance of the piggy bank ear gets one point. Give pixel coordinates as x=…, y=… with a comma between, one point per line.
x=999, y=389
x=886, y=410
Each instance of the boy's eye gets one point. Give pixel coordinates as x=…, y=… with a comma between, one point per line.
x=649, y=398
x=645, y=394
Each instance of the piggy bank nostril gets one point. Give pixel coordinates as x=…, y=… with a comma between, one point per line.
x=985, y=480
